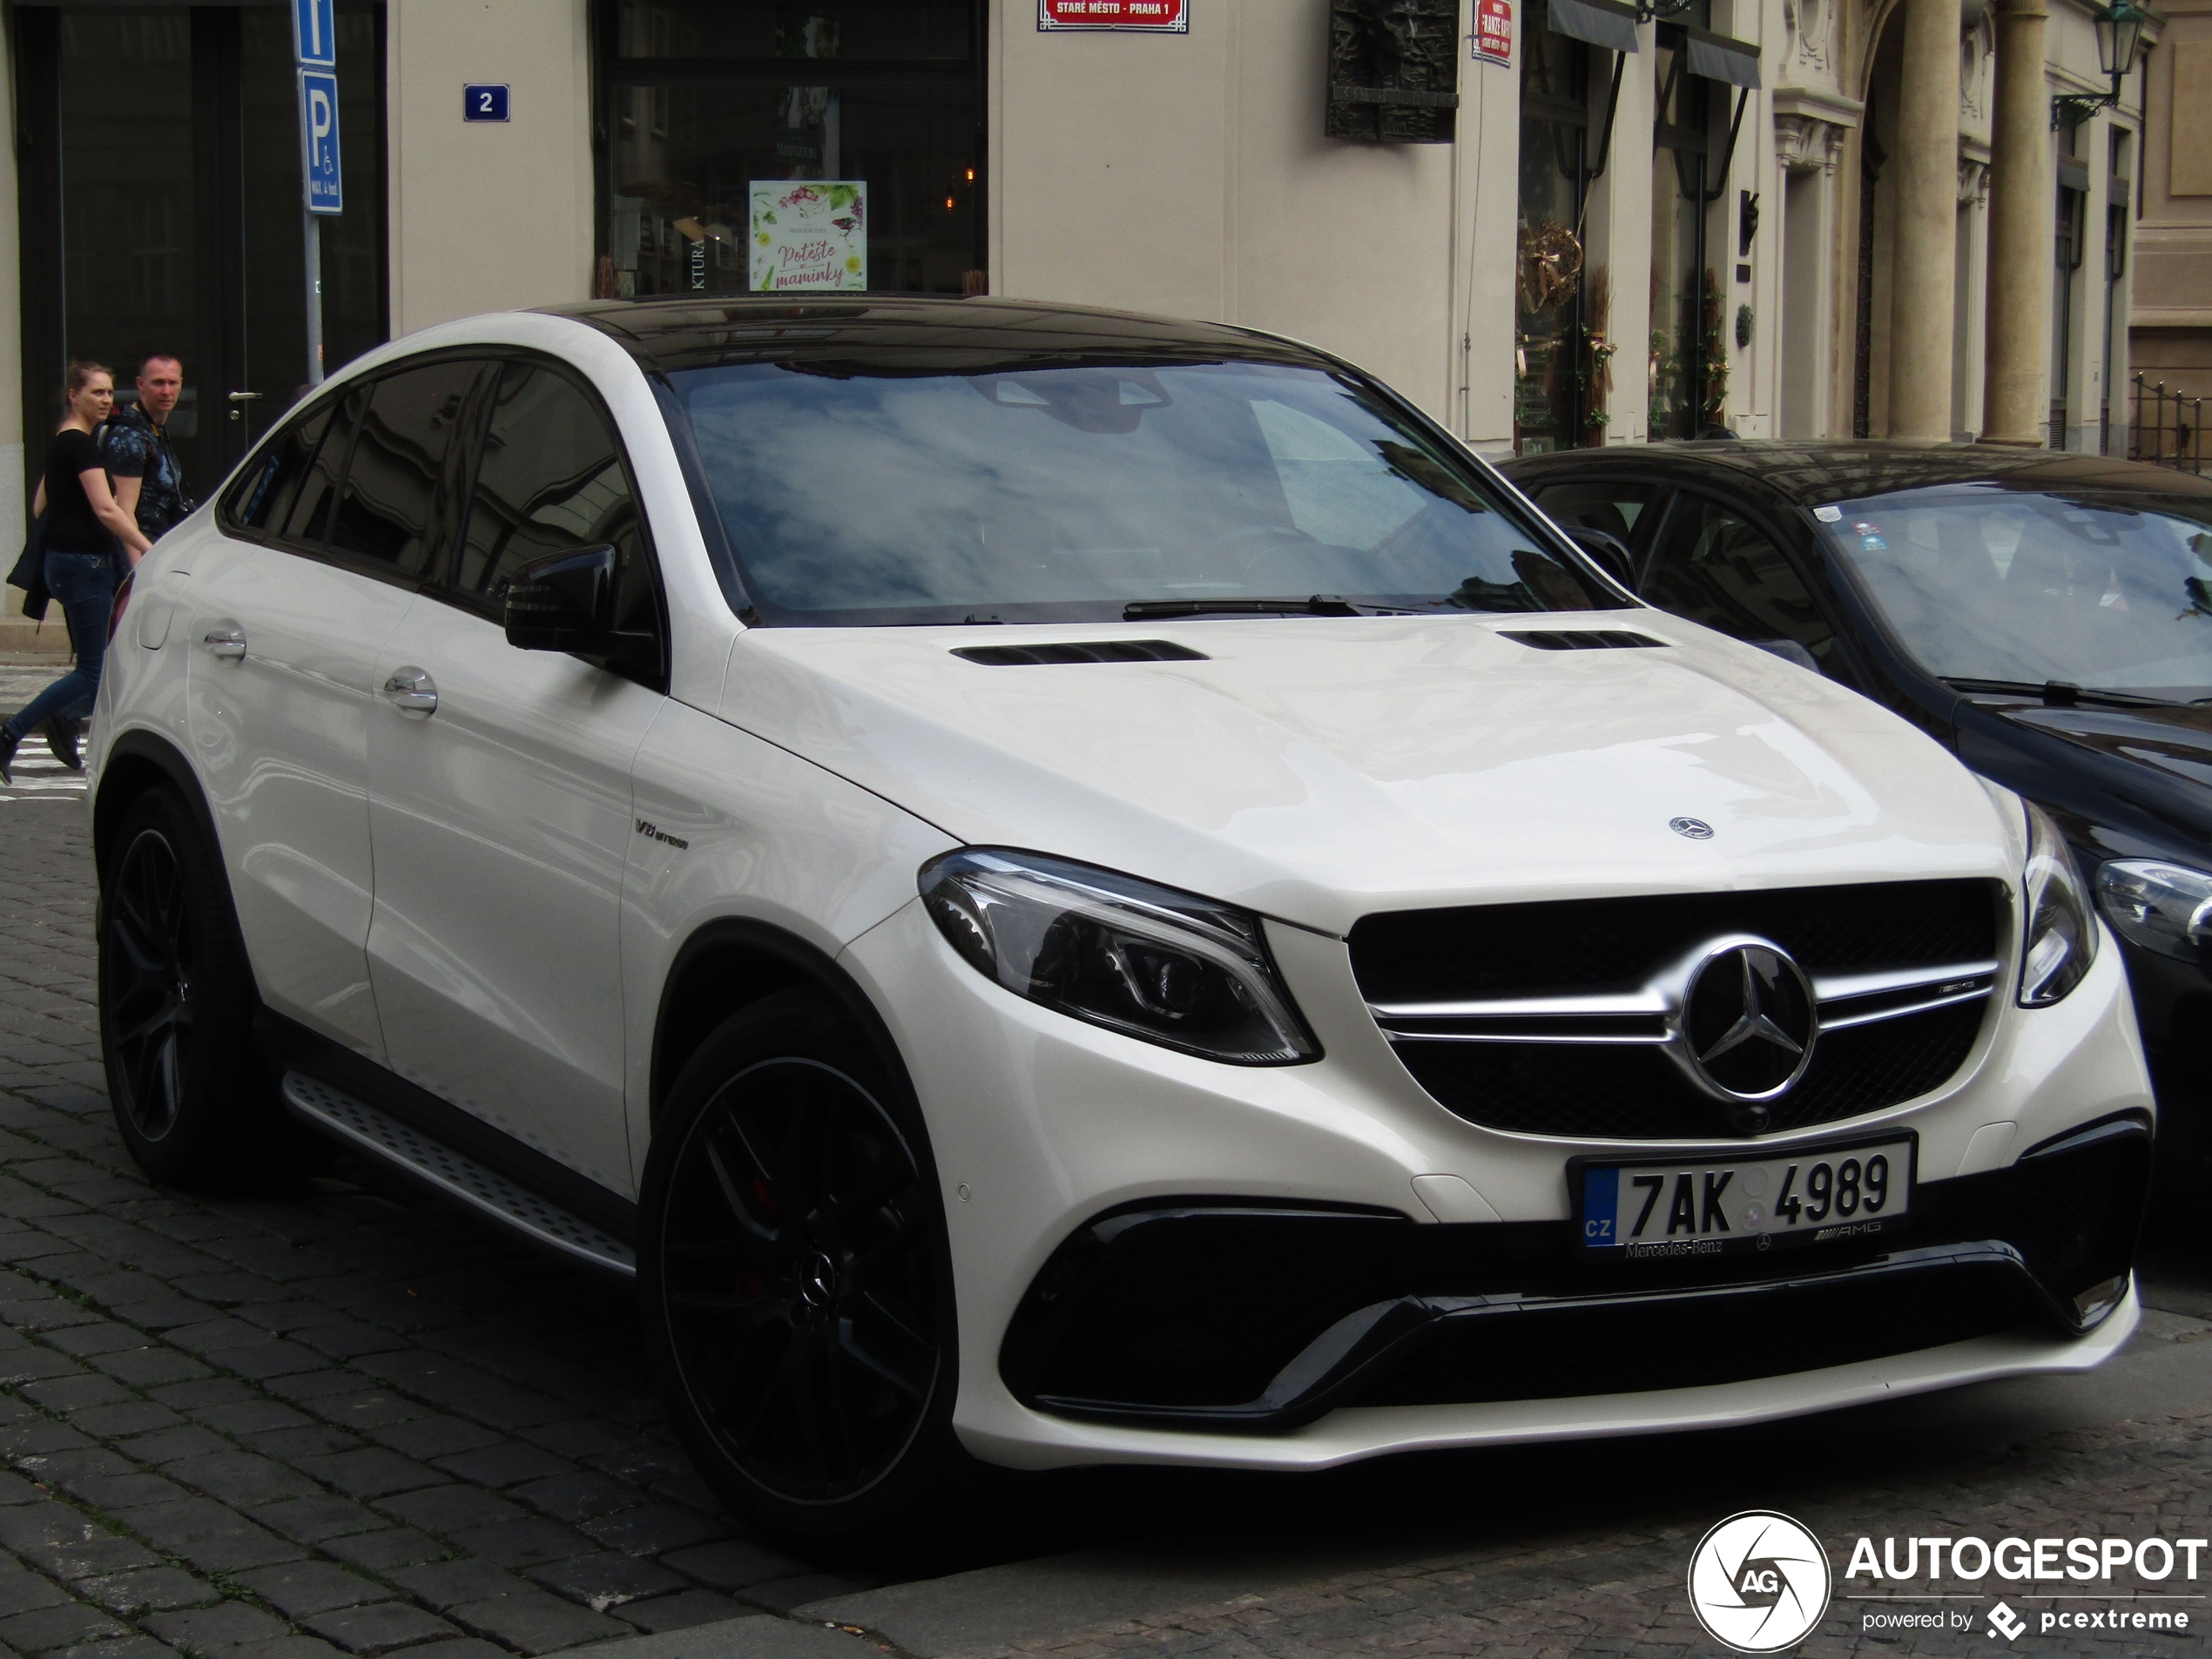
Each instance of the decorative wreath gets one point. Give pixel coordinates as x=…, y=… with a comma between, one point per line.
x=1551, y=260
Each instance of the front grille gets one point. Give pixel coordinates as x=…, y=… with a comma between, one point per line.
x=1589, y=944
x=1601, y=1093
x=1629, y=1347
x=1627, y=1090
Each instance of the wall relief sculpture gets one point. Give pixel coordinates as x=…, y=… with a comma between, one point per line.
x=1810, y=24
x=1393, y=69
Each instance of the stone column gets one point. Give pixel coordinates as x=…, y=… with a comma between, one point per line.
x=1927, y=229
x=2020, y=206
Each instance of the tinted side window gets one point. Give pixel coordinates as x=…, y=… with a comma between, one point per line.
x=1713, y=567
x=262, y=497
x=1614, y=508
x=310, y=517
x=384, y=513
x=551, y=481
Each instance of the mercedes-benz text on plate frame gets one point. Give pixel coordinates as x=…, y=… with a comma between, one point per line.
x=1057, y=887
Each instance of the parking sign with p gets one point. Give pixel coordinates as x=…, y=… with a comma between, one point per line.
x=318, y=141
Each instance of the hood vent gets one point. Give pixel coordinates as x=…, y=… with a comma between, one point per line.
x=1581, y=638
x=1089, y=650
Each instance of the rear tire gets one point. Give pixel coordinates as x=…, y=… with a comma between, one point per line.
x=177, y=1002
x=796, y=1287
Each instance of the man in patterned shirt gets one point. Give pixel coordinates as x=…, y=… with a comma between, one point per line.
x=149, y=479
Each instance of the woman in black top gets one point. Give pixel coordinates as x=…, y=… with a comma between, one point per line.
x=90, y=540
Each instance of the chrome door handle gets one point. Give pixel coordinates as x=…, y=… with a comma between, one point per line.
x=411, y=691
x=228, y=644
x=237, y=400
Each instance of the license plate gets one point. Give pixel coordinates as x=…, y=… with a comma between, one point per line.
x=1720, y=1206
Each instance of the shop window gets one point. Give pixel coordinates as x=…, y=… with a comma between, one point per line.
x=1555, y=398
x=711, y=103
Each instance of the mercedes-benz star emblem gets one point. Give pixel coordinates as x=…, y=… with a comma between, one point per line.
x=1696, y=828
x=1748, y=1020
x=818, y=1280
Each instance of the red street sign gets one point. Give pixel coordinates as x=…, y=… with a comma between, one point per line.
x=1494, y=31
x=1138, y=16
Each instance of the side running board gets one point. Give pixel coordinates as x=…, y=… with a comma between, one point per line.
x=454, y=1174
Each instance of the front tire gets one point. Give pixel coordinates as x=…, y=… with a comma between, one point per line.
x=796, y=1286
x=177, y=1003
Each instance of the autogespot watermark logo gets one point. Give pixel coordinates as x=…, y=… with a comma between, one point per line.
x=1759, y=1582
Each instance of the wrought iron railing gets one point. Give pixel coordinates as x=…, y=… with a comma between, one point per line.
x=2167, y=428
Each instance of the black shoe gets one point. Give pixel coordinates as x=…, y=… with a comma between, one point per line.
x=7, y=753
x=62, y=733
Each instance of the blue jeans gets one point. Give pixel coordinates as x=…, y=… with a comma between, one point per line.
x=85, y=585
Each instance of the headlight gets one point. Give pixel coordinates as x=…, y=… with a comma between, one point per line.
x=2165, y=908
x=2061, y=928
x=1149, y=961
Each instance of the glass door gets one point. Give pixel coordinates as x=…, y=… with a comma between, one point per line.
x=160, y=210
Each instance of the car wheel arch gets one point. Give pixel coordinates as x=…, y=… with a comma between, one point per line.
x=136, y=761
x=727, y=966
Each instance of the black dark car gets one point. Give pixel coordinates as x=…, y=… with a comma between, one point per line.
x=2048, y=617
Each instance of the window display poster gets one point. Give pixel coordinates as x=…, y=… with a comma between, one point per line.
x=1144, y=16
x=809, y=234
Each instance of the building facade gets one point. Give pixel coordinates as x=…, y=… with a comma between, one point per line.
x=2170, y=336
x=1550, y=222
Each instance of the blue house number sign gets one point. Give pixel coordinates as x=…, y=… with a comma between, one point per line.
x=484, y=103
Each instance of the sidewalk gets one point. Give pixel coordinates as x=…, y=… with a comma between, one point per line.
x=23, y=641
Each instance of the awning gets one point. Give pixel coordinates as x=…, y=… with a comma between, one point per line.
x=1602, y=22
x=1718, y=58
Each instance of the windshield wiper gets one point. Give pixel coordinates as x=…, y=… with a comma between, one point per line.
x=1320, y=605
x=2061, y=694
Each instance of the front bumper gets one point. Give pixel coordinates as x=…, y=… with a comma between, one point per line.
x=1041, y=1125
x=1241, y=1317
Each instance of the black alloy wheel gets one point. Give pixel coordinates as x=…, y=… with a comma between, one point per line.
x=146, y=980
x=177, y=1003
x=795, y=1279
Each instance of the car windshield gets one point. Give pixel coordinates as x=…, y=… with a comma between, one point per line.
x=2101, y=589
x=858, y=493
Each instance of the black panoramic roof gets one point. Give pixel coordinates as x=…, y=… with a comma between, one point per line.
x=1808, y=474
x=911, y=333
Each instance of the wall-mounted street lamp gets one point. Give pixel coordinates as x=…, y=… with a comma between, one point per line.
x=2120, y=37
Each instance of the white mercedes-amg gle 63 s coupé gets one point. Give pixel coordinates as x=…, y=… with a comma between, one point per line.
x=1062, y=887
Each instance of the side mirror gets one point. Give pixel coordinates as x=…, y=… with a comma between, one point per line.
x=1609, y=551
x=563, y=603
